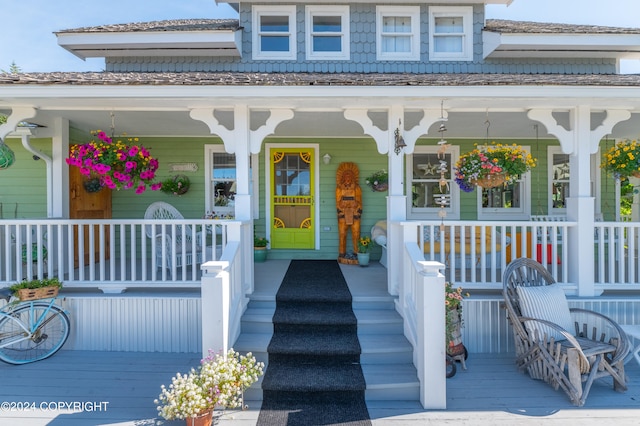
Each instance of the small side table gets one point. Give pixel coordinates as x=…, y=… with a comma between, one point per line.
x=634, y=332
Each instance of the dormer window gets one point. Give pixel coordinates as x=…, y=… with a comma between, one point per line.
x=327, y=32
x=398, y=33
x=275, y=32
x=450, y=33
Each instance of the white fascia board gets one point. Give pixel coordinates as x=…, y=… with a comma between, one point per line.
x=150, y=43
x=620, y=46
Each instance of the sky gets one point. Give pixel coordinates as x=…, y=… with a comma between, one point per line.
x=27, y=27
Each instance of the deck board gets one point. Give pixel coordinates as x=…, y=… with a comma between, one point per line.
x=490, y=392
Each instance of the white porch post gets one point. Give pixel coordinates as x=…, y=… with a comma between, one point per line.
x=431, y=336
x=60, y=170
x=215, y=295
x=396, y=200
x=580, y=142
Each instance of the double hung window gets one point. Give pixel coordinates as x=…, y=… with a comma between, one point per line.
x=274, y=36
x=450, y=33
x=398, y=33
x=327, y=32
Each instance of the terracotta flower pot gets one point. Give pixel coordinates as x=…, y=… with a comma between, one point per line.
x=204, y=419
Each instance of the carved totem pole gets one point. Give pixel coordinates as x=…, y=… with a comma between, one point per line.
x=349, y=207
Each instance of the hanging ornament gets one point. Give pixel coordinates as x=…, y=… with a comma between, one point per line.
x=442, y=200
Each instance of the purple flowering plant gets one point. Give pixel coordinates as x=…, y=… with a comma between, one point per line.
x=118, y=165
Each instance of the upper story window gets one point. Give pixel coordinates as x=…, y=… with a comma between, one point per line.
x=450, y=33
x=398, y=33
x=274, y=36
x=423, y=174
x=327, y=32
x=559, y=172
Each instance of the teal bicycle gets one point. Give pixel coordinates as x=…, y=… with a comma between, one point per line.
x=32, y=330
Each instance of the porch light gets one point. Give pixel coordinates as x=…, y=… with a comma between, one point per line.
x=326, y=159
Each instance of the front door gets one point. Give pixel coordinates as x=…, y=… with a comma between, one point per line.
x=292, y=198
x=88, y=202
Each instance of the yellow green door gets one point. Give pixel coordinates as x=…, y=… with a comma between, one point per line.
x=292, y=198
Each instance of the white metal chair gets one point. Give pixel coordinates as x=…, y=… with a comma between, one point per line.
x=174, y=240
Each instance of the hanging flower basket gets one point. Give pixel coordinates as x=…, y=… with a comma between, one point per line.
x=491, y=166
x=118, y=165
x=623, y=159
x=7, y=157
x=490, y=181
x=176, y=185
x=378, y=181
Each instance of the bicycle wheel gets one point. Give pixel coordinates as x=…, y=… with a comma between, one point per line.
x=18, y=346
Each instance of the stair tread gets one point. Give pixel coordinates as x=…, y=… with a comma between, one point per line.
x=371, y=316
x=309, y=343
x=384, y=343
x=313, y=378
x=377, y=375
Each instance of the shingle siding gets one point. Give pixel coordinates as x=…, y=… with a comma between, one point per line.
x=363, y=50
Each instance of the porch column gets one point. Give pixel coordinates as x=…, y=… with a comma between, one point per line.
x=580, y=142
x=60, y=170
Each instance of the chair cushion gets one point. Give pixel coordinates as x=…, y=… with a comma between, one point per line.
x=546, y=302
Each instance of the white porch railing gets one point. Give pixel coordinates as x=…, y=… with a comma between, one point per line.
x=476, y=252
x=111, y=254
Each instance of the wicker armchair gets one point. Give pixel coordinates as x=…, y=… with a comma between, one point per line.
x=588, y=345
x=177, y=242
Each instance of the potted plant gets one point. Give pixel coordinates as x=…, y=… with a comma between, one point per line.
x=219, y=381
x=259, y=248
x=176, y=185
x=364, y=246
x=378, y=181
x=453, y=307
x=36, y=289
x=492, y=165
x=623, y=159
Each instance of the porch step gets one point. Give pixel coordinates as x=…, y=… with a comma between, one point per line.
x=386, y=356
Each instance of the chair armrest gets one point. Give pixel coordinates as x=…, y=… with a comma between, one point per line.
x=596, y=326
x=570, y=340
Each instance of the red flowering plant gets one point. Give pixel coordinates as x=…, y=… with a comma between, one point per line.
x=118, y=165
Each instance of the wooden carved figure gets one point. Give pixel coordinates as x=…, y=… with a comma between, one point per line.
x=348, y=205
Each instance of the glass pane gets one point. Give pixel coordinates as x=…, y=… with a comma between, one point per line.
x=449, y=24
x=502, y=197
x=427, y=166
x=327, y=24
x=274, y=43
x=224, y=166
x=292, y=176
x=274, y=23
x=396, y=24
x=560, y=184
x=448, y=44
x=327, y=44
x=426, y=189
x=396, y=44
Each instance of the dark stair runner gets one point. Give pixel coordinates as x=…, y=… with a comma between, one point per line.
x=314, y=375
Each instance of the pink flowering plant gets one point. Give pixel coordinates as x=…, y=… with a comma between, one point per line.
x=118, y=165
x=453, y=298
x=219, y=381
x=510, y=160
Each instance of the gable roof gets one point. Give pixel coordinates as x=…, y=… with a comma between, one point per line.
x=527, y=27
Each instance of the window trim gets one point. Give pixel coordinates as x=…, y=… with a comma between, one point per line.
x=412, y=12
x=500, y=213
x=257, y=13
x=209, y=150
x=551, y=151
x=345, y=33
x=431, y=213
x=466, y=13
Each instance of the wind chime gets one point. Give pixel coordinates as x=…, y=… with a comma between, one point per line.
x=442, y=199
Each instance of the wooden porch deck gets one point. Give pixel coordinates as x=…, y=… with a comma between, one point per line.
x=77, y=388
